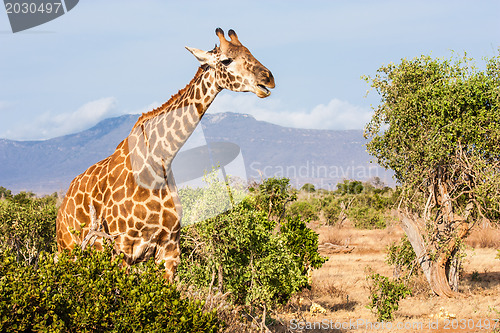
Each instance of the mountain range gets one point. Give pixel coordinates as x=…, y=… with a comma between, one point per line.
x=321, y=157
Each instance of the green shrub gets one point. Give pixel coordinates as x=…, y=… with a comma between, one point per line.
x=367, y=217
x=253, y=251
x=385, y=296
x=308, y=187
x=27, y=228
x=302, y=243
x=364, y=204
x=23, y=198
x=330, y=207
x=332, y=212
x=5, y=193
x=402, y=256
x=304, y=209
x=335, y=207
x=202, y=203
x=242, y=252
x=273, y=195
x=89, y=291
x=350, y=187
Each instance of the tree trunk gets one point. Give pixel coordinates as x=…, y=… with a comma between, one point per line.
x=434, y=271
x=412, y=231
x=453, y=270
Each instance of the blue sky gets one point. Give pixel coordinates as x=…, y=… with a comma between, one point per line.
x=107, y=58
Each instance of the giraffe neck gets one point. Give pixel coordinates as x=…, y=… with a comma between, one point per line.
x=159, y=135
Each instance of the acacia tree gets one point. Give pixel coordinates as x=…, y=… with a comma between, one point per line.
x=438, y=128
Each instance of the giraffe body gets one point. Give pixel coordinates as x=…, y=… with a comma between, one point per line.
x=131, y=195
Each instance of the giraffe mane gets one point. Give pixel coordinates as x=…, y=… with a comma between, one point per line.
x=155, y=112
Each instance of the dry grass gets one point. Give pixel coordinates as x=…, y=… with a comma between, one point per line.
x=484, y=237
x=340, y=286
x=335, y=235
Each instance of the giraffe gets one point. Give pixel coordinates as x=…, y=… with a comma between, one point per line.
x=131, y=195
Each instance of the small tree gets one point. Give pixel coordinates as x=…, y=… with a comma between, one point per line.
x=5, y=193
x=23, y=197
x=273, y=195
x=437, y=127
x=308, y=187
x=350, y=187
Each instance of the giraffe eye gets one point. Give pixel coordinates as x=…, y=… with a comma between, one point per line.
x=227, y=61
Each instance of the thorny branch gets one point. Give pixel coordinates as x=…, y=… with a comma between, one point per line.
x=95, y=231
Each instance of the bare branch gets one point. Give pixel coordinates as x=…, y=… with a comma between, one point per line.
x=95, y=230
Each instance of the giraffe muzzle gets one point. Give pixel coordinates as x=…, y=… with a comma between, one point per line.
x=262, y=91
x=267, y=81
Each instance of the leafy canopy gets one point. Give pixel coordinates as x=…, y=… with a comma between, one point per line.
x=440, y=113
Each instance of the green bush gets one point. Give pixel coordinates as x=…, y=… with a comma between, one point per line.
x=302, y=243
x=258, y=259
x=332, y=212
x=308, y=187
x=202, y=203
x=240, y=252
x=27, y=228
x=350, y=187
x=305, y=209
x=5, y=193
x=23, y=197
x=273, y=195
x=402, y=256
x=365, y=205
x=366, y=217
x=330, y=206
x=89, y=291
x=385, y=296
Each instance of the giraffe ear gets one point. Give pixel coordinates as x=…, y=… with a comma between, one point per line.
x=202, y=56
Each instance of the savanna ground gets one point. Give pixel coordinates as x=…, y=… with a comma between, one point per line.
x=340, y=286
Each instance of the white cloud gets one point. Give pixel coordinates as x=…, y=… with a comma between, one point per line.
x=48, y=125
x=336, y=115
x=88, y=114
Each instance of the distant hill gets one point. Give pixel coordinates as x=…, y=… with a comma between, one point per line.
x=322, y=157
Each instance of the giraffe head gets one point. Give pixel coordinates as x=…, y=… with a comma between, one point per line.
x=235, y=67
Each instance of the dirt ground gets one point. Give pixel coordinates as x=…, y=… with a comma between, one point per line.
x=340, y=287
